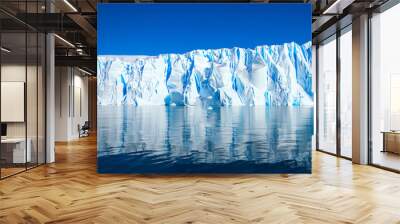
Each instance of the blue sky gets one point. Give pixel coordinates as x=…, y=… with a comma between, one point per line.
x=152, y=29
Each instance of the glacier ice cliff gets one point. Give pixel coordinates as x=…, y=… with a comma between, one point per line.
x=276, y=75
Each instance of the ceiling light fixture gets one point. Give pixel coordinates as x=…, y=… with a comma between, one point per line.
x=5, y=50
x=84, y=71
x=70, y=5
x=337, y=7
x=64, y=40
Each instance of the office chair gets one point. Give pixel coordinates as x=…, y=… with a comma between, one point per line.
x=84, y=130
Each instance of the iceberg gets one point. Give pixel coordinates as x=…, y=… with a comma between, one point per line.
x=275, y=75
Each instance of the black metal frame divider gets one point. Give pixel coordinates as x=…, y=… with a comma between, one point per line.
x=44, y=77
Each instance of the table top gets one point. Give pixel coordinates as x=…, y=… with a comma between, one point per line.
x=13, y=140
x=391, y=132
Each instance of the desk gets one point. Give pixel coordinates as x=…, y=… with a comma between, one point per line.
x=391, y=141
x=16, y=147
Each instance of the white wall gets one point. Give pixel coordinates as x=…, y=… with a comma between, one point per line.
x=13, y=72
x=71, y=87
x=16, y=72
x=62, y=82
x=79, y=115
x=33, y=126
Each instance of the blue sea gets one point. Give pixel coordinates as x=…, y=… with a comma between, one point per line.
x=185, y=139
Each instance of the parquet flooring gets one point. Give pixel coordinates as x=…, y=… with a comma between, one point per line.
x=70, y=191
x=8, y=171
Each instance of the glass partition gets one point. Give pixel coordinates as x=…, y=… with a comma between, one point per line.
x=385, y=89
x=13, y=108
x=41, y=96
x=346, y=93
x=22, y=77
x=31, y=97
x=327, y=95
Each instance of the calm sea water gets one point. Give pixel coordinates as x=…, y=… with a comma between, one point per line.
x=161, y=139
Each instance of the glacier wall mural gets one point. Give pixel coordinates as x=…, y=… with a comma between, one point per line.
x=174, y=106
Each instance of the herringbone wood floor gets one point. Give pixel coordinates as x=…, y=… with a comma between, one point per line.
x=70, y=191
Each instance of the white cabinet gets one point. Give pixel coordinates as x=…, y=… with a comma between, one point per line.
x=19, y=155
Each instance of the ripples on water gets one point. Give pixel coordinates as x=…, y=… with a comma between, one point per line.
x=162, y=139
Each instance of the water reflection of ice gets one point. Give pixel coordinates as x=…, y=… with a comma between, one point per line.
x=219, y=136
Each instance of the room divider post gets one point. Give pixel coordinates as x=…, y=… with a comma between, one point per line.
x=338, y=76
x=316, y=97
